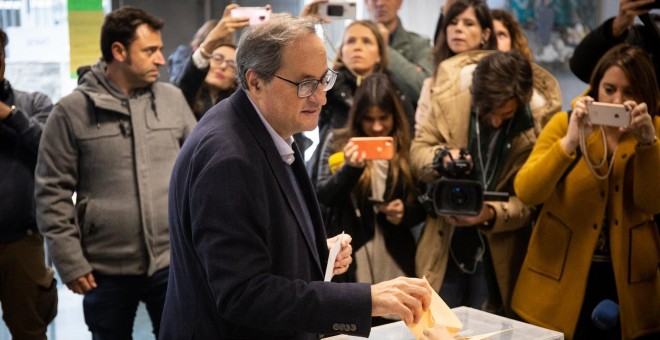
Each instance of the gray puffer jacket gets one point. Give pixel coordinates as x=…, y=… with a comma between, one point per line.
x=116, y=152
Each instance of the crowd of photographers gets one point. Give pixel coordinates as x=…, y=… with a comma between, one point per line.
x=525, y=211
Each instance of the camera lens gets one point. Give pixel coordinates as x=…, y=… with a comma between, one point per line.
x=335, y=10
x=458, y=197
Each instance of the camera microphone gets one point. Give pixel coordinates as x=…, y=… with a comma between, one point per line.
x=605, y=315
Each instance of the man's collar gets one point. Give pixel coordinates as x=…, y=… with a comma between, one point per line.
x=284, y=146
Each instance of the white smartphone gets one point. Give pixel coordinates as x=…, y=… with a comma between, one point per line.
x=257, y=15
x=608, y=114
x=338, y=10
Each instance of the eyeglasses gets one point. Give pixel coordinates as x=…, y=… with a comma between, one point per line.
x=306, y=88
x=219, y=58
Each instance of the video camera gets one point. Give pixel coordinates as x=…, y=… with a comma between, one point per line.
x=455, y=193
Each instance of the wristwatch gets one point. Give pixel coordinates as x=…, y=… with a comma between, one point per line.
x=11, y=112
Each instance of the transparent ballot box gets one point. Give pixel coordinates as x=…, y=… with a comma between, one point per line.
x=475, y=322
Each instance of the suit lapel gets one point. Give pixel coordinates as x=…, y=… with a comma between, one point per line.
x=277, y=166
x=306, y=189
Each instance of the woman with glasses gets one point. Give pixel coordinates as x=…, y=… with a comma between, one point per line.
x=372, y=200
x=210, y=74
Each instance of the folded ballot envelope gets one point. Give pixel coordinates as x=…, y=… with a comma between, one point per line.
x=440, y=313
x=437, y=313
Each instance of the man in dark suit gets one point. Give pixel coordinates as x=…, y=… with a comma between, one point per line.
x=247, y=242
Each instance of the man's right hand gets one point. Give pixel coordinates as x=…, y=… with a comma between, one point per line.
x=404, y=296
x=83, y=284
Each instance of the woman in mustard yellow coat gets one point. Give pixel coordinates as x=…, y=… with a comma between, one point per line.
x=595, y=238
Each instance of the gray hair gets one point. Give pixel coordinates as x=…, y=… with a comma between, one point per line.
x=260, y=47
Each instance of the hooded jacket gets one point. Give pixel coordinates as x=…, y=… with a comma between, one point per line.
x=116, y=152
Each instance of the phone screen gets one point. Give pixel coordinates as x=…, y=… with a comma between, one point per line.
x=335, y=10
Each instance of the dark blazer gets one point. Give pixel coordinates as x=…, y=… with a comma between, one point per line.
x=243, y=263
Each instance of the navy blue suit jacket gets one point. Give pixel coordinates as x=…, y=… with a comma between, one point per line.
x=243, y=264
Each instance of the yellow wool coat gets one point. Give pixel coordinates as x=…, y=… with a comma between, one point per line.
x=552, y=281
x=447, y=124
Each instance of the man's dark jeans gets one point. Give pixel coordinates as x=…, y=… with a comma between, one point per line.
x=110, y=308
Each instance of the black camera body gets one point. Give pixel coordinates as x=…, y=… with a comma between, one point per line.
x=453, y=196
x=455, y=193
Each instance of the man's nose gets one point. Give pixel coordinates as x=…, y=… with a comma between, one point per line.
x=159, y=59
x=319, y=95
x=495, y=122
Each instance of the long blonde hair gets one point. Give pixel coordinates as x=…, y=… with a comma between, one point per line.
x=382, y=48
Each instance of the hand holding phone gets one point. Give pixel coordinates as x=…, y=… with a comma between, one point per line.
x=655, y=4
x=608, y=114
x=375, y=147
x=257, y=15
x=338, y=10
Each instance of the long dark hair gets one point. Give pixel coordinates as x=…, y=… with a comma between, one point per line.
x=638, y=68
x=441, y=50
x=518, y=38
x=199, y=105
x=378, y=91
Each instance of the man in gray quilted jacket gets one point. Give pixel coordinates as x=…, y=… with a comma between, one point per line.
x=409, y=54
x=113, y=142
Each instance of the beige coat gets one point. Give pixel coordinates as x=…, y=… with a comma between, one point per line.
x=447, y=125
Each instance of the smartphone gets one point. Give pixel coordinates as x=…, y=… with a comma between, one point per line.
x=257, y=15
x=375, y=147
x=655, y=4
x=338, y=10
x=375, y=201
x=608, y=114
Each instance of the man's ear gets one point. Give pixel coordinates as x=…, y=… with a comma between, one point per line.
x=119, y=51
x=253, y=80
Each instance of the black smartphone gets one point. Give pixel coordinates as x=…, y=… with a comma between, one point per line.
x=655, y=4
x=375, y=201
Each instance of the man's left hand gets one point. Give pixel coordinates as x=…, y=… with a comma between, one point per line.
x=344, y=258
